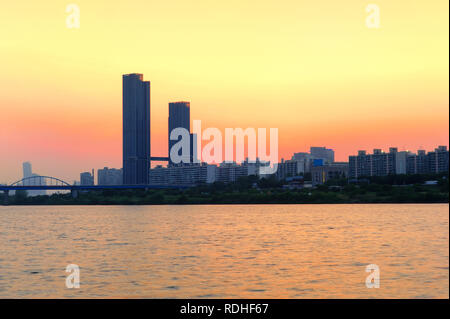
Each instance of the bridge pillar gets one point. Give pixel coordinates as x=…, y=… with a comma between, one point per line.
x=6, y=199
x=74, y=193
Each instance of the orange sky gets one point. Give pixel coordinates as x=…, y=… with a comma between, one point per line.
x=310, y=68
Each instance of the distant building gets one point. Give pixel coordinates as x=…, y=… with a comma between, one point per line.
x=306, y=160
x=357, y=165
x=87, y=179
x=195, y=173
x=417, y=163
x=183, y=174
x=109, y=176
x=35, y=181
x=179, y=117
x=322, y=173
x=434, y=162
x=381, y=163
x=253, y=167
x=287, y=169
x=377, y=164
x=27, y=170
x=159, y=175
x=401, y=162
x=395, y=162
x=438, y=160
x=230, y=172
x=322, y=153
x=136, y=129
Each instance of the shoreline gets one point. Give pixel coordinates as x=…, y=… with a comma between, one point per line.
x=228, y=204
x=243, y=193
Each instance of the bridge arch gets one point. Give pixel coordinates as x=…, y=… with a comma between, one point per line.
x=37, y=181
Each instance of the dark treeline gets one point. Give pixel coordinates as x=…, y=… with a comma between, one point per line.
x=251, y=190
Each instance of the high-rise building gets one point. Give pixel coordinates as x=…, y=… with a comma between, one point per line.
x=417, y=163
x=253, y=167
x=401, y=162
x=438, y=160
x=377, y=164
x=304, y=161
x=287, y=168
x=27, y=170
x=395, y=162
x=230, y=172
x=183, y=174
x=35, y=181
x=86, y=179
x=179, y=116
x=136, y=129
x=326, y=154
x=380, y=163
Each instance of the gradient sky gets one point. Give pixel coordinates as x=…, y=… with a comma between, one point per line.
x=310, y=68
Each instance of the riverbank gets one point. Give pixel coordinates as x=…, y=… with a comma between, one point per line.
x=350, y=194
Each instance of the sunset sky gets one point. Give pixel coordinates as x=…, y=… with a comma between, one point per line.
x=312, y=69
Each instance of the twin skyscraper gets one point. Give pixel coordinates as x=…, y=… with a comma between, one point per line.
x=136, y=128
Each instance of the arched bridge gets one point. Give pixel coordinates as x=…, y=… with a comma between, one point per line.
x=37, y=180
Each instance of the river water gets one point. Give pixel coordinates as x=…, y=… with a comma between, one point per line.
x=225, y=251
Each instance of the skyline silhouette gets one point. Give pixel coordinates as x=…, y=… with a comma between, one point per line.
x=314, y=71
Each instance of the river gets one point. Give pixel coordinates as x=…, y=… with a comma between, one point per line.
x=225, y=251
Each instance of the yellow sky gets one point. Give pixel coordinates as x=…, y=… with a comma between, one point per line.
x=311, y=68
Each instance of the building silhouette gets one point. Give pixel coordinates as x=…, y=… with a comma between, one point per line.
x=179, y=116
x=183, y=174
x=398, y=162
x=378, y=163
x=109, y=176
x=35, y=181
x=434, y=162
x=289, y=168
x=438, y=160
x=27, y=170
x=136, y=129
x=321, y=174
x=304, y=161
x=324, y=153
x=417, y=163
x=87, y=178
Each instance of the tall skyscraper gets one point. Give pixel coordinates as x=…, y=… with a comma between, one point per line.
x=179, y=116
x=27, y=171
x=136, y=129
x=37, y=181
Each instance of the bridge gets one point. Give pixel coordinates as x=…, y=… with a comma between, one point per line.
x=53, y=183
